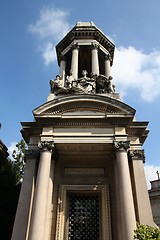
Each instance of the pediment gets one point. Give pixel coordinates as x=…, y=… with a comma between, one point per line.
x=84, y=105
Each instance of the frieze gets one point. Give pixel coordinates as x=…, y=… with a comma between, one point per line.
x=122, y=145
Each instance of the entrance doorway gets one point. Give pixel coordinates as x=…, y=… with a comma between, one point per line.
x=84, y=217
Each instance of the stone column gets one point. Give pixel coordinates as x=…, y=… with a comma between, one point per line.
x=22, y=219
x=95, y=61
x=62, y=68
x=37, y=228
x=127, y=212
x=107, y=64
x=141, y=197
x=74, y=61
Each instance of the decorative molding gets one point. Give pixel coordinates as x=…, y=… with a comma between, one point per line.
x=122, y=145
x=137, y=155
x=85, y=101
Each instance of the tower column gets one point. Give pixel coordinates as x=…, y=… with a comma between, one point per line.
x=127, y=212
x=62, y=68
x=107, y=64
x=37, y=227
x=95, y=61
x=74, y=62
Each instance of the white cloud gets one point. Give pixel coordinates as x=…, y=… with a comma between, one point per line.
x=133, y=69
x=150, y=172
x=49, y=53
x=51, y=26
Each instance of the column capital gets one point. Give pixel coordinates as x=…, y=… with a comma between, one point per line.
x=137, y=155
x=107, y=57
x=46, y=145
x=62, y=58
x=121, y=145
x=95, y=46
x=31, y=153
x=75, y=46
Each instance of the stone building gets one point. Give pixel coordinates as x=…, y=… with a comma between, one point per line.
x=84, y=176
x=154, y=195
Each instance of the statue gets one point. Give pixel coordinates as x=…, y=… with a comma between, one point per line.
x=85, y=84
x=95, y=84
x=111, y=87
x=70, y=79
x=56, y=85
x=104, y=84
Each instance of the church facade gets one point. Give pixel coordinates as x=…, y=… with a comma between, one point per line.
x=84, y=176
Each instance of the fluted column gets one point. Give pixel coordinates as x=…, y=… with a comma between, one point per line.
x=127, y=212
x=107, y=64
x=37, y=228
x=95, y=61
x=74, y=61
x=62, y=68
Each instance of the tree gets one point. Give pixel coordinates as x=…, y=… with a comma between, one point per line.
x=19, y=157
x=9, y=194
x=145, y=232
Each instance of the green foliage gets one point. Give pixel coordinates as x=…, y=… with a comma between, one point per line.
x=9, y=193
x=19, y=157
x=145, y=232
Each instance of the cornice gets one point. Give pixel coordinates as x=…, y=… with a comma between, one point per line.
x=85, y=32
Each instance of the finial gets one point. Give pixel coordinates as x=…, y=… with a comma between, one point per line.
x=158, y=174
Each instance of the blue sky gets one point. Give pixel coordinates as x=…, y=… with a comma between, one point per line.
x=31, y=29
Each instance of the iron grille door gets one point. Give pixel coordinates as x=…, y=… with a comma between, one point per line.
x=83, y=217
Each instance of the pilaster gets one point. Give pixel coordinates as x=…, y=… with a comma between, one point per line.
x=141, y=197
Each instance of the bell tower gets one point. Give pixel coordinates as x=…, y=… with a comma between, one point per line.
x=84, y=176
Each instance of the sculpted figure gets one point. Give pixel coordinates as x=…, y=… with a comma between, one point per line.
x=85, y=84
x=110, y=87
x=56, y=85
x=104, y=84
x=70, y=79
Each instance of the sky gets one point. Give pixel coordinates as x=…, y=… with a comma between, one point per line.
x=30, y=29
